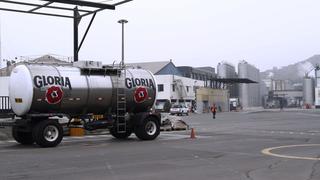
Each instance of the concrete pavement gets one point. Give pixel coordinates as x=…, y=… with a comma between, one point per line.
x=228, y=147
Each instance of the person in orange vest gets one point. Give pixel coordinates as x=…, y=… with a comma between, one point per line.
x=214, y=110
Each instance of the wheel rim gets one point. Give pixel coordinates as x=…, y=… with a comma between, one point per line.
x=151, y=128
x=51, y=133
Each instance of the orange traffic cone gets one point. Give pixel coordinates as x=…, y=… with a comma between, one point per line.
x=193, y=134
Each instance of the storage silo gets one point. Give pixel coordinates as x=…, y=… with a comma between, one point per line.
x=308, y=91
x=317, y=80
x=227, y=70
x=249, y=94
x=243, y=88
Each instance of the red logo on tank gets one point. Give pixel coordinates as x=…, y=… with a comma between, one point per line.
x=54, y=95
x=140, y=94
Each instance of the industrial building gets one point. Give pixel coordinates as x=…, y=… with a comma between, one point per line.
x=290, y=94
x=212, y=92
x=197, y=88
x=280, y=85
x=205, y=74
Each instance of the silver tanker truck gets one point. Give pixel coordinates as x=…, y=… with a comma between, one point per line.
x=121, y=97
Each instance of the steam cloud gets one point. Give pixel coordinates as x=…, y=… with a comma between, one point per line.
x=304, y=68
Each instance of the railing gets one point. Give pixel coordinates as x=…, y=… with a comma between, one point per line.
x=5, y=105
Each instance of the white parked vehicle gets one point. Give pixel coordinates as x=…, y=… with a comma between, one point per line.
x=179, y=110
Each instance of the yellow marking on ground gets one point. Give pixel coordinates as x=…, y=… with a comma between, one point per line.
x=268, y=151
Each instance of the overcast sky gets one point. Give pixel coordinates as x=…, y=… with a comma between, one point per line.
x=265, y=33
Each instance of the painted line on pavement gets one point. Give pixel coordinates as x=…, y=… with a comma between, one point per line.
x=268, y=151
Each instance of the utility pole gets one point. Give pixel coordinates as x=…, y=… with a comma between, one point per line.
x=122, y=22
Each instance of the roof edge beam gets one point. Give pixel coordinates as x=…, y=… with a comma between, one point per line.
x=41, y=6
x=122, y=2
x=84, y=3
x=38, y=13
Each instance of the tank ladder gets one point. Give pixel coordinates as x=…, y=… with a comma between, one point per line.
x=121, y=101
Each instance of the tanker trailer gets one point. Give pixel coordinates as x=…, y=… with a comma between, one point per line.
x=122, y=97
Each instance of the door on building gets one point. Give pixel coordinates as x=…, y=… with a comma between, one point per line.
x=205, y=106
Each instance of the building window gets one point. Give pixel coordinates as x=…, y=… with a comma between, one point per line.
x=173, y=88
x=160, y=88
x=187, y=88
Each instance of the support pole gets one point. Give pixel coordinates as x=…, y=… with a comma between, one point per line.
x=85, y=34
x=76, y=21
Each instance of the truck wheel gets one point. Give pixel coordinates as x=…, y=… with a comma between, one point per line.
x=47, y=133
x=24, y=138
x=114, y=133
x=149, y=129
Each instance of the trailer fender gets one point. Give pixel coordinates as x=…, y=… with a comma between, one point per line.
x=138, y=118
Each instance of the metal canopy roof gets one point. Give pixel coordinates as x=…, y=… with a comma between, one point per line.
x=235, y=80
x=59, y=8
x=75, y=9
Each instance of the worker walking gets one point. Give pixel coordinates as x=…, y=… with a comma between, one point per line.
x=214, y=110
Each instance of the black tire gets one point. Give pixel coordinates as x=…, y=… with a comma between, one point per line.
x=21, y=137
x=149, y=129
x=114, y=133
x=41, y=134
